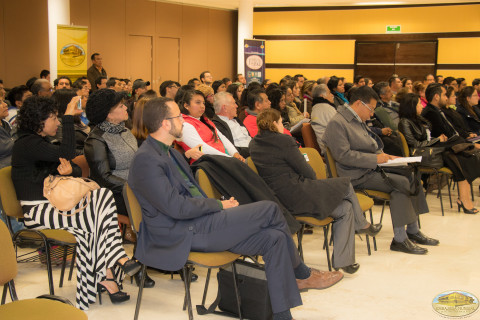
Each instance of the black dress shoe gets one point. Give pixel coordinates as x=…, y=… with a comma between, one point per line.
x=371, y=231
x=149, y=282
x=350, y=269
x=420, y=238
x=194, y=275
x=407, y=246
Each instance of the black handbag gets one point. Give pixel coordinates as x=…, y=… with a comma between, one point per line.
x=253, y=291
x=431, y=156
x=409, y=171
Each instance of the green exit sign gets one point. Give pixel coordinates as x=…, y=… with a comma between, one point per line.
x=394, y=29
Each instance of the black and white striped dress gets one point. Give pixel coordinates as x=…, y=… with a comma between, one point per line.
x=99, y=243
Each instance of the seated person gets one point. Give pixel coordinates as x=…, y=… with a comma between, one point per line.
x=62, y=98
x=468, y=98
x=293, y=180
x=417, y=133
x=179, y=218
x=323, y=110
x=16, y=96
x=358, y=151
x=387, y=110
x=277, y=102
x=100, y=254
x=294, y=114
x=337, y=88
x=228, y=124
x=445, y=120
x=200, y=131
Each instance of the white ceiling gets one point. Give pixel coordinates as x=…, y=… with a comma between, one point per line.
x=233, y=4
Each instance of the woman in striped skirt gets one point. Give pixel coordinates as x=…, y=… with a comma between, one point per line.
x=101, y=258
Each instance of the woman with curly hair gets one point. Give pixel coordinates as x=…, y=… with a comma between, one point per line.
x=101, y=260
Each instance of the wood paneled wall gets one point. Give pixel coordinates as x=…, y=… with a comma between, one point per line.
x=207, y=37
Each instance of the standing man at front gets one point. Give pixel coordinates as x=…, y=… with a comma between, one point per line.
x=179, y=218
x=96, y=70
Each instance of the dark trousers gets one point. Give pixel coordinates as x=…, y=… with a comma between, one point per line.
x=255, y=229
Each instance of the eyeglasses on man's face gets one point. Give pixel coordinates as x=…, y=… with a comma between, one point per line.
x=366, y=105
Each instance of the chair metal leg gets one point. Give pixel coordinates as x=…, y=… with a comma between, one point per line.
x=374, y=238
x=300, y=238
x=140, y=291
x=64, y=264
x=206, y=286
x=237, y=294
x=449, y=193
x=13, y=293
x=187, y=282
x=72, y=263
x=49, y=267
x=331, y=236
x=325, y=234
x=4, y=295
x=368, y=245
x=439, y=194
x=383, y=209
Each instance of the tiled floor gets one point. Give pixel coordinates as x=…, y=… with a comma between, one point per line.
x=389, y=285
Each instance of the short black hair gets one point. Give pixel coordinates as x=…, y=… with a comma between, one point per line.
x=226, y=80
x=111, y=82
x=154, y=112
x=98, y=81
x=92, y=57
x=237, y=77
x=295, y=77
x=392, y=79
x=216, y=84
x=358, y=78
x=476, y=82
x=44, y=73
x=426, y=76
x=30, y=82
x=253, y=97
x=364, y=94
x=34, y=112
x=380, y=87
x=202, y=75
x=437, y=77
x=432, y=90
x=55, y=82
x=16, y=94
x=448, y=80
x=192, y=81
x=164, y=86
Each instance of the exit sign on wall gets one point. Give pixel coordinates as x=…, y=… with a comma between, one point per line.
x=394, y=29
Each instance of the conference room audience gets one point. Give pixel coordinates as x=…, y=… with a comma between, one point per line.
x=101, y=260
x=417, y=131
x=283, y=167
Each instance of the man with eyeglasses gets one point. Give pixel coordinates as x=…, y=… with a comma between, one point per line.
x=168, y=89
x=358, y=151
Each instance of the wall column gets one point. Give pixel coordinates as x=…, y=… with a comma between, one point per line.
x=245, y=30
x=58, y=13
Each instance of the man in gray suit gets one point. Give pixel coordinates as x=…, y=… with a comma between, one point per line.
x=179, y=218
x=357, y=152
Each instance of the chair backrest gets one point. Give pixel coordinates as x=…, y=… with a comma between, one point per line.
x=309, y=137
x=8, y=197
x=206, y=185
x=8, y=260
x=133, y=207
x=251, y=165
x=331, y=163
x=81, y=161
x=405, y=150
x=315, y=161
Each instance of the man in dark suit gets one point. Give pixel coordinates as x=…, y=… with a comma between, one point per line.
x=179, y=218
x=229, y=125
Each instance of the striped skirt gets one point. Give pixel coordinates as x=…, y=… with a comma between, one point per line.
x=99, y=243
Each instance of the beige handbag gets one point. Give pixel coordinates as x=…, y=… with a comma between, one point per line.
x=65, y=192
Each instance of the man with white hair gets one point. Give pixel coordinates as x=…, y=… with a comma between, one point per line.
x=323, y=110
x=228, y=124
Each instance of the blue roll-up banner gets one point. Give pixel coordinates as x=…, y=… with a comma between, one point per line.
x=254, y=51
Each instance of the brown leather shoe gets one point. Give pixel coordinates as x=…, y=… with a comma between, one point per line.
x=130, y=235
x=320, y=279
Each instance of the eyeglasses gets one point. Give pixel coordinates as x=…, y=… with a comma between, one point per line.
x=170, y=118
x=371, y=110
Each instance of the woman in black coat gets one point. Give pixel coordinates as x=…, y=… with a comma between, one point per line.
x=468, y=98
x=416, y=130
x=285, y=170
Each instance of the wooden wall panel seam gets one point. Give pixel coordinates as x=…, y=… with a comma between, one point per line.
x=330, y=8
x=373, y=36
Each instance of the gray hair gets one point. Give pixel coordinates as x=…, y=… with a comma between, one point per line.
x=220, y=99
x=320, y=91
x=37, y=86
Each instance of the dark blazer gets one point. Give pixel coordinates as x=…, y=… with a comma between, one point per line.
x=168, y=209
x=280, y=163
x=473, y=122
x=223, y=127
x=440, y=125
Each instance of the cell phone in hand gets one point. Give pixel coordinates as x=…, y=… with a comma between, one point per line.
x=79, y=104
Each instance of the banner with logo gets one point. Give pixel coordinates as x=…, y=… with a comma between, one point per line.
x=72, y=51
x=254, y=51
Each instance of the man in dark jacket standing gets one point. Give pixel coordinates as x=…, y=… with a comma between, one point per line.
x=179, y=218
x=96, y=70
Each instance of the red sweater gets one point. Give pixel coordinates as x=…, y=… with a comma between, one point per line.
x=250, y=123
x=205, y=133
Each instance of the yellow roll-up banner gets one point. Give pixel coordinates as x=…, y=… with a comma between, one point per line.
x=72, y=50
